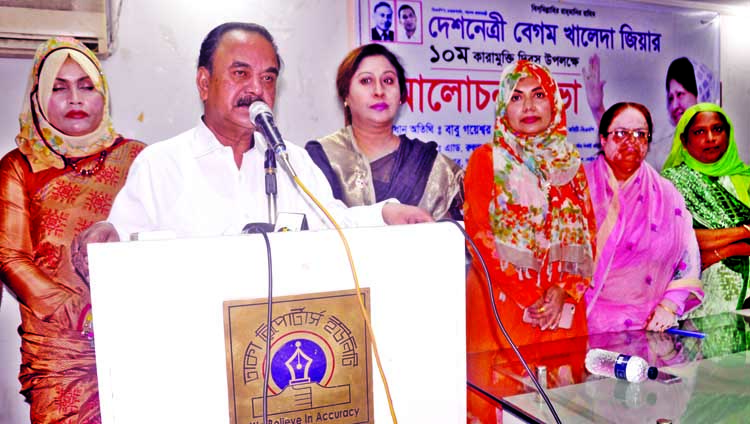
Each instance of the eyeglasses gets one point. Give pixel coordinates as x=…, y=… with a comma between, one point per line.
x=621, y=134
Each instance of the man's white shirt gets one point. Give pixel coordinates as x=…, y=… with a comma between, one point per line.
x=190, y=185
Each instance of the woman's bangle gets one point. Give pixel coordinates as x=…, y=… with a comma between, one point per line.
x=716, y=252
x=667, y=309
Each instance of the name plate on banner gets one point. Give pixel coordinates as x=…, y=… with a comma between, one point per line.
x=321, y=369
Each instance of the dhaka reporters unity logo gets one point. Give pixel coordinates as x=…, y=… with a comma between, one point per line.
x=319, y=363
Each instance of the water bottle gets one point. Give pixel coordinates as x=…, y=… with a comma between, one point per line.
x=625, y=367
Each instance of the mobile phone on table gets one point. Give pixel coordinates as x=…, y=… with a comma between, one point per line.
x=667, y=378
x=566, y=319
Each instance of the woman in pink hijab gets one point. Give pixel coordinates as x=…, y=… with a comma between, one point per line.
x=648, y=262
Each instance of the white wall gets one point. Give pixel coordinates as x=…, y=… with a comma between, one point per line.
x=12, y=407
x=152, y=73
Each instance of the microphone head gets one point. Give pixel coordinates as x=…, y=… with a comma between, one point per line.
x=259, y=107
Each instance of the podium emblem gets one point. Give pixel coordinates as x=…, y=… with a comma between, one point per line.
x=320, y=369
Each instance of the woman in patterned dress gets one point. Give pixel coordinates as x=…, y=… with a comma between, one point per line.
x=528, y=209
x=69, y=165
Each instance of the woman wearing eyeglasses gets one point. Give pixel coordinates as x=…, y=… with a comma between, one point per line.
x=648, y=263
x=706, y=168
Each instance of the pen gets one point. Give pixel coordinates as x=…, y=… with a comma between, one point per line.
x=677, y=331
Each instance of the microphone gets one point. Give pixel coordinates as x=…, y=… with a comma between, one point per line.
x=262, y=117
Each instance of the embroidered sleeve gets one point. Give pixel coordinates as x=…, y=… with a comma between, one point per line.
x=35, y=290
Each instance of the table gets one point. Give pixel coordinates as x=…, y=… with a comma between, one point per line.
x=714, y=372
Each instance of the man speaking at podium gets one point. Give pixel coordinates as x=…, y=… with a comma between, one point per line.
x=208, y=180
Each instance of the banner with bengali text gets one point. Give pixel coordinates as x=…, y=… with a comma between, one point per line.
x=454, y=52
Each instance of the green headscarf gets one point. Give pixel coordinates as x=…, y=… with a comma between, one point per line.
x=729, y=164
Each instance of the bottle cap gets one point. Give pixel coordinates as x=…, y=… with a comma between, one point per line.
x=652, y=373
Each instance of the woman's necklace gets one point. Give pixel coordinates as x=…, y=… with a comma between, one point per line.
x=91, y=171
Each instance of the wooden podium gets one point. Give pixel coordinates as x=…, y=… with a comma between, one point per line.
x=159, y=325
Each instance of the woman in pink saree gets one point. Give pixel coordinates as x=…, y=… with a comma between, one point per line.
x=648, y=264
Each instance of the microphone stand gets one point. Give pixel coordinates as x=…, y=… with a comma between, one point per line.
x=270, y=166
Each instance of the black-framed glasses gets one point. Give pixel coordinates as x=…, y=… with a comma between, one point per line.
x=621, y=134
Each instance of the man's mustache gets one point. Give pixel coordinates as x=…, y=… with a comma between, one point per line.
x=247, y=101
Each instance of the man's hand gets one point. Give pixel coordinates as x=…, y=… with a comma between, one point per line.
x=396, y=213
x=100, y=232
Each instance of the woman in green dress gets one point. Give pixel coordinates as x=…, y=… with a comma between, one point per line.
x=706, y=168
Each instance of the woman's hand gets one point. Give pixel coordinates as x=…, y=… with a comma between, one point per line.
x=100, y=232
x=711, y=256
x=397, y=213
x=722, y=237
x=547, y=310
x=663, y=316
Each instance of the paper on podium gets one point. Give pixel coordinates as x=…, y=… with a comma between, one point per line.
x=159, y=322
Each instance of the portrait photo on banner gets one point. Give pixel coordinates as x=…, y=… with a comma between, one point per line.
x=381, y=20
x=409, y=18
